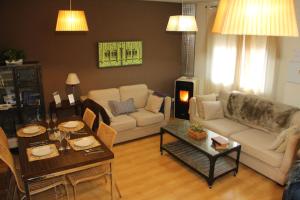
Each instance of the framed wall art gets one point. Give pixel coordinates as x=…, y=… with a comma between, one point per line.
x=118, y=54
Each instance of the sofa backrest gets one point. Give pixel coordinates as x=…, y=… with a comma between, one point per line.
x=104, y=95
x=259, y=112
x=139, y=93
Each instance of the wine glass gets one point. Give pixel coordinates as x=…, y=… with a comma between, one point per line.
x=67, y=137
x=60, y=138
x=54, y=119
x=48, y=120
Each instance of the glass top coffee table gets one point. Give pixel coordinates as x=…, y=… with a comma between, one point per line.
x=200, y=155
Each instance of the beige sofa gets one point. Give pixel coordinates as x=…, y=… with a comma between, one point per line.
x=133, y=125
x=257, y=133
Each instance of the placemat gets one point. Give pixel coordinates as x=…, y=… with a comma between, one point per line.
x=96, y=143
x=20, y=132
x=34, y=158
x=77, y=128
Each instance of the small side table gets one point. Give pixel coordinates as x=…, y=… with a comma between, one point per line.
x=65, y=109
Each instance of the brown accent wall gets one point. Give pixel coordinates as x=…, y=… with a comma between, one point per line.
x=30, y=25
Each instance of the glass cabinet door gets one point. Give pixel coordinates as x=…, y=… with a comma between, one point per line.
x=7, y=87
x=8, y=108
x=29, y=92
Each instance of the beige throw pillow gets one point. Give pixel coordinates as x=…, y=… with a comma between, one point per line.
x=279, y=145
x=200, y=99
x=154, y=103
x=212, y=110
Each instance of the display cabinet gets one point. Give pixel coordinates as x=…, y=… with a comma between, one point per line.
x=21, y=96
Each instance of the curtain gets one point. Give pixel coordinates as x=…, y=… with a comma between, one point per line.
x=245, y=63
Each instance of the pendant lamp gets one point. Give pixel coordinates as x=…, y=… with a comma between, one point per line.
x=71, y=20
x=256, y=17
x=182, y=23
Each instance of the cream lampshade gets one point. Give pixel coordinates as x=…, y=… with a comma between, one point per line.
x=72, y=79
x=256, y=17
x=71, y=20
x=182, y=23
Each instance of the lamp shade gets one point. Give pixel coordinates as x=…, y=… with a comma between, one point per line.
x=72, y=79
x=256, y=17
x=182, y=23
x=71, y=20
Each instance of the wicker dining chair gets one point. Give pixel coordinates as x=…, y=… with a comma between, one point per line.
x=89, y=117
x=3, y=138
x=107, y=135
x=36, y=187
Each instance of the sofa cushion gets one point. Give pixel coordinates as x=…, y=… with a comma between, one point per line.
x=144, y=117
x=139, y=93
x=154, y=103
x=212, y=110
x=102, y=97
x=224, y=126
x=123, y=123
x=200, y=99
x=255, y=143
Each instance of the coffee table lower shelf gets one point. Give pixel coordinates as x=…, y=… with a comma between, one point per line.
x=200, y=162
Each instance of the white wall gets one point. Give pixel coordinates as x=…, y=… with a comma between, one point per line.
x=288, y=93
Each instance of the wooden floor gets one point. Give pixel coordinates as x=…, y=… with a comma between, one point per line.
x=143, y=174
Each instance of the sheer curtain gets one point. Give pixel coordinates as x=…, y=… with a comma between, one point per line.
x=245, y=63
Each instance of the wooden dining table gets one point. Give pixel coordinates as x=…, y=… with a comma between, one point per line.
x=68, y=161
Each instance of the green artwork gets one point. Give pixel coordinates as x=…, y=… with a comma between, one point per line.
x=117, y=54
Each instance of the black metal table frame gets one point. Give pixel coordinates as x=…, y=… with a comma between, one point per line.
x=212, y=159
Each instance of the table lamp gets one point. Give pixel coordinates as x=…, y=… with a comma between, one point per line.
x=73, y=80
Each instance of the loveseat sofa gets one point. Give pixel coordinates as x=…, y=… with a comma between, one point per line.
x=136, y=124
x=255, y=123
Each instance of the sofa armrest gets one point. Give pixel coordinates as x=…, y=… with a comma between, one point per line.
x=290, y=153
x=193, y=109
x=167, y=108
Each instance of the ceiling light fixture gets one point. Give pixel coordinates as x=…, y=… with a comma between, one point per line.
x=182, y=23
x=256, y=17
x=71, y=20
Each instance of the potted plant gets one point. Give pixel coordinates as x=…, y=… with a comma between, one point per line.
x=13, y=56
x=196, y=131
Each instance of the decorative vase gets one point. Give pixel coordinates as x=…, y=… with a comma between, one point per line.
x=14, y=62
x=197, y=135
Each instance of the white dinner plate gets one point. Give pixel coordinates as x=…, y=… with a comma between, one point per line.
x=41, y=151
x=31, y=129
x=84, y=142
x=71, y=124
